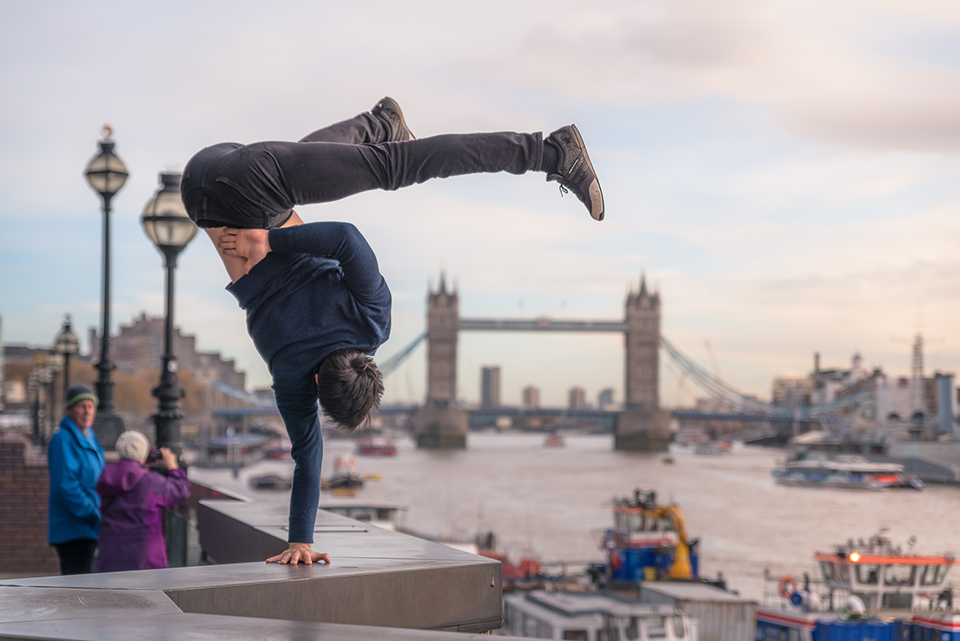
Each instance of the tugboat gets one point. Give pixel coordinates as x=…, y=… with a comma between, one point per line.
x=869, y=590
x=648, y=542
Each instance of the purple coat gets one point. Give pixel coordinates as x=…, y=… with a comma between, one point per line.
x=131, y=532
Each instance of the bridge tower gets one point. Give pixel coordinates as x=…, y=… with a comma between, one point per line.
x=439, y=423
x=642, y=425
x=642, y=342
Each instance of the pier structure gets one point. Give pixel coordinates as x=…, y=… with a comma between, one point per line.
x=641, y=425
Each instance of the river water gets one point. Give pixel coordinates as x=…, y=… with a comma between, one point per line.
x=546, y=502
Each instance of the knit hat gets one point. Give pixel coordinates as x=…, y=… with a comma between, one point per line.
x=132, y=446
x=80, y=392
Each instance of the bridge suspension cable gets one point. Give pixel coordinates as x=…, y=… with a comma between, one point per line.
x=722, y=391
x=391, y=364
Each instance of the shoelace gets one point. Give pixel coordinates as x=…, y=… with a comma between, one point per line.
x=564, y=190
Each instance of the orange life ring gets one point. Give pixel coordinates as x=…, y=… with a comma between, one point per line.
x=782, y=586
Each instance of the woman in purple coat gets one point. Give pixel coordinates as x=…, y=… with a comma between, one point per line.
x=131, y=533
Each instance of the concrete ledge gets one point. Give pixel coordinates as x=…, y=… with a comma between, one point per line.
x=206, y=627
x=376, y=578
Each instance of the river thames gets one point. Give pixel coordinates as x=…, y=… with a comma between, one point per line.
x=547, y=502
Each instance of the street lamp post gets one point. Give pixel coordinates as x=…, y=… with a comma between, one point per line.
x=66, y=344
x=106, y=174
x=166, y=222
x=43, y=384
x=55, y=366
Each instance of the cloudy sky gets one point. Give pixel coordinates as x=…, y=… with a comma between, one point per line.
x=785, y=172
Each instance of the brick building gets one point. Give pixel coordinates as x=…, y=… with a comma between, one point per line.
x=138, y=349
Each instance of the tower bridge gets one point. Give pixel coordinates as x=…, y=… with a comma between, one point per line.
x=641, y=424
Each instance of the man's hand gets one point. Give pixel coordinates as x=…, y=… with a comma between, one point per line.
x=300, y=553
x=250, y=244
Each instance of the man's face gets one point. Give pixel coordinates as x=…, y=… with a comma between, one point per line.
x=82, y=413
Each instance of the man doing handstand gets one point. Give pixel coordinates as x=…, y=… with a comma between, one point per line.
x=316, y=304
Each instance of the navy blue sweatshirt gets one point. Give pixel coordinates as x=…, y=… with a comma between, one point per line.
x=317, y=291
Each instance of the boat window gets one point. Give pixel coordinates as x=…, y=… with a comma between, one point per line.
x=509, y=619
x=632, y=630
x=828, y=570
x=868, y=574
x=899, y=575
x=933, y=575
x=576, y=635
x=843, y=572
x=897, y=600
x=655, y=627
x=610, y=633
x=679, y=631
x=529, y=626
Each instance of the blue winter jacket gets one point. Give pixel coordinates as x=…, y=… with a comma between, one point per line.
x=75, y=461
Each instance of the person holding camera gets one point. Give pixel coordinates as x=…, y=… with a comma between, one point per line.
x=131, y=532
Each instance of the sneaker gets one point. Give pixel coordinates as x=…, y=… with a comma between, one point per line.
x=575, y=171
x=389, y=111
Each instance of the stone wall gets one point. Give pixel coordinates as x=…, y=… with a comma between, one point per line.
x=24, y=486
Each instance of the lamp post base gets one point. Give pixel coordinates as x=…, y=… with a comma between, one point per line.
x=108, y=427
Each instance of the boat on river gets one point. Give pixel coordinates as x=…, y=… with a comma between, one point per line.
x=271, y=482
x=648, y=542
x=867, y=590
x=843, y=471
x=345, y=480
x=375, y=446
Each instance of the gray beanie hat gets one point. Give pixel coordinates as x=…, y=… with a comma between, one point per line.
x=132, y=446
x=79, y=392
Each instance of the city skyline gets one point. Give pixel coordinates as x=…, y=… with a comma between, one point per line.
x=783, y=173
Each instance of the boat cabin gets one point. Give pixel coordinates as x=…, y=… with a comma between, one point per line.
x=592, y=616
x=885, y=577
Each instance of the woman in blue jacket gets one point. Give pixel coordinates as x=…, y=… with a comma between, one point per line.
x=75, y=460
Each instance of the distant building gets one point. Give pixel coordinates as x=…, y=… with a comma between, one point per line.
x=829, y=383
x=902, y=402
x=490, y=387
x=577, y=398
x=605, y=398
x=792, y=391
x=531, y=397
x=138, y=348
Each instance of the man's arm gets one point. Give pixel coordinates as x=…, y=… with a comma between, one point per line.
x=342, y=242
x=300, y=417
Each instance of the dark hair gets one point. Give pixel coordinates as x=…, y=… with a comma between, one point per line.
x=349, y=386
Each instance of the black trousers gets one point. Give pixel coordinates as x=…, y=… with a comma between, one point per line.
x=76, y=557
x=258, y=185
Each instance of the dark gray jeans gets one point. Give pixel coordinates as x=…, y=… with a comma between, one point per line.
x=257, y=186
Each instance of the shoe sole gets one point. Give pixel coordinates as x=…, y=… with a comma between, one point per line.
x=396, y=109
x=596, y=196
